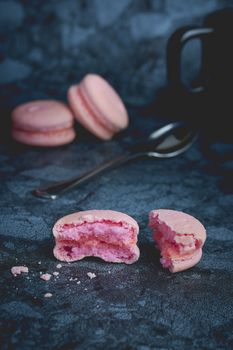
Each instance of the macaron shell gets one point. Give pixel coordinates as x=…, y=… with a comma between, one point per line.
x=46, y=139
x=42, y=115
x=95, y=215
x=105, y=100
x=84, y=116
x=134, y=251
x=186, y=263
x=181, y=223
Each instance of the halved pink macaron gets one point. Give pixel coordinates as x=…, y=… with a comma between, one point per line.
x=43, y=123
x=179, y=237
x=98, y=107
x=107, y=234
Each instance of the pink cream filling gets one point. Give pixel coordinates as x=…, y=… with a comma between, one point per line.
x=47, y=132
x=173, y=246
x=114, y=242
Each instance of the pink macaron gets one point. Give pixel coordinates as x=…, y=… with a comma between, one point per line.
x=98, y=107
x=43, y=123
x=107, y=234
x=179, y=237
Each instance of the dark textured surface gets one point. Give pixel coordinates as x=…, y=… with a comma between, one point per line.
x=46, y=46
x=141, y=306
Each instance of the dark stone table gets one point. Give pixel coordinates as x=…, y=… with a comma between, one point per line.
x=141, y=306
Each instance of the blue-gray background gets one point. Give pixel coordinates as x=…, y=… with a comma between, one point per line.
x=47, y=45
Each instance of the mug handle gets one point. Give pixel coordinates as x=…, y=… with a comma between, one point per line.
x=174, y=51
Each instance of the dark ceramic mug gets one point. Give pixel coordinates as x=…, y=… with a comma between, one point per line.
x=211, y=98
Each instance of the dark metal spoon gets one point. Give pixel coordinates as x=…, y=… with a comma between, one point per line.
x=165, y=142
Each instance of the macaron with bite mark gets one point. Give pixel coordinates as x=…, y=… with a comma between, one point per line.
x=107, y=234
x=44, y=123
x=179, y=237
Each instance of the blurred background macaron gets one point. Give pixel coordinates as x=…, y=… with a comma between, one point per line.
x=43, y=123
x=98, y=107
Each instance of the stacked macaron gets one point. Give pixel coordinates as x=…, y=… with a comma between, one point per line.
x=43, y=123
x=93, y=103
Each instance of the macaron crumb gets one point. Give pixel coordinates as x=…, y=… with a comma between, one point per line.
x=17, y=270
x=55, y=273
x=48, y=295
x=46, y=276
x=91, y=275
x=59, y=266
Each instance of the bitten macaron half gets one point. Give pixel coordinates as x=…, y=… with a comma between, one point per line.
x=179, y=237
x=98, y=107
x=107, y=234
x=43, y=123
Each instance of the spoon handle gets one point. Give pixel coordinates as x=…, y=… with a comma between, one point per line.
x=53, y=191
